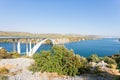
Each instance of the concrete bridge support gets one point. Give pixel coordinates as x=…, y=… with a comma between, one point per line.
x=30, y=45
x=18, y=47
x=14, y=45
x=27, y=46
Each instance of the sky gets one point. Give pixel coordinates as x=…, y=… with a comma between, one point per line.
x=87, y=17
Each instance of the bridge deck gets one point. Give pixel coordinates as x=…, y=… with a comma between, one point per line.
x=8, y=37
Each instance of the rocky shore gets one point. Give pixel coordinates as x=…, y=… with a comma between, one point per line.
x=19, y=71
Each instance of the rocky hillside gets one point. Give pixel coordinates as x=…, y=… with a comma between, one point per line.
x=62, y=38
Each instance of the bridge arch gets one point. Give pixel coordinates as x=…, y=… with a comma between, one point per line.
x=35, y=48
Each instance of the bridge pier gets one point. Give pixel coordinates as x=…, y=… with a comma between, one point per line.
x=14, y=45
x=27, y=47
x=18, y=47
x=30, y=48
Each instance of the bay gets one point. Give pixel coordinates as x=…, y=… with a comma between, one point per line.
x=102, y=47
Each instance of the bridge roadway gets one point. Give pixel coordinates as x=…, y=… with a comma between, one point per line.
x=9, y=37
x=28, y=41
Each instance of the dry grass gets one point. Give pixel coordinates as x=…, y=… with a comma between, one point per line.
x=4, y=70
x=49, y=76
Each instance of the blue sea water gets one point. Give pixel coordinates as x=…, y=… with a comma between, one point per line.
x=102, y=47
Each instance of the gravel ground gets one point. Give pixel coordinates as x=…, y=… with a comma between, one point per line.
x=19, y=69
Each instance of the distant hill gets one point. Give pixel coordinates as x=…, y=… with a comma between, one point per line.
x=70, y=36
x=3, y=33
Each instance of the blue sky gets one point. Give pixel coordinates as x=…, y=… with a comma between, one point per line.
x=91, y=17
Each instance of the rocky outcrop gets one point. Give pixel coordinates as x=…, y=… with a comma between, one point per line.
x=104, y=70
x=61, y=41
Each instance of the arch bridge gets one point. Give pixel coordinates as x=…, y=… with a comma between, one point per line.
x=30, y=51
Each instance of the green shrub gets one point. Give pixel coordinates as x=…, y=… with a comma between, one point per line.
x=82, y=65
x=3, y=51
x=4, y=54
x=14, y=55
x=118, y=65
x=3, y=78
x=109, y=60
x=117, y=78
x=116, y=57
x=97, y=70
x=59, y=60
x=94, y=58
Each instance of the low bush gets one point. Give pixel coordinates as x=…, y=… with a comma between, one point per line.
x=96, y=70
x=14, y=55
x=118, y=65
x=59, y=60
x=3, y=78
x=4, y=54
x=117, y=78
x=109, y=60
x=94, y=58
x=83, y=66
x=116, y=57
